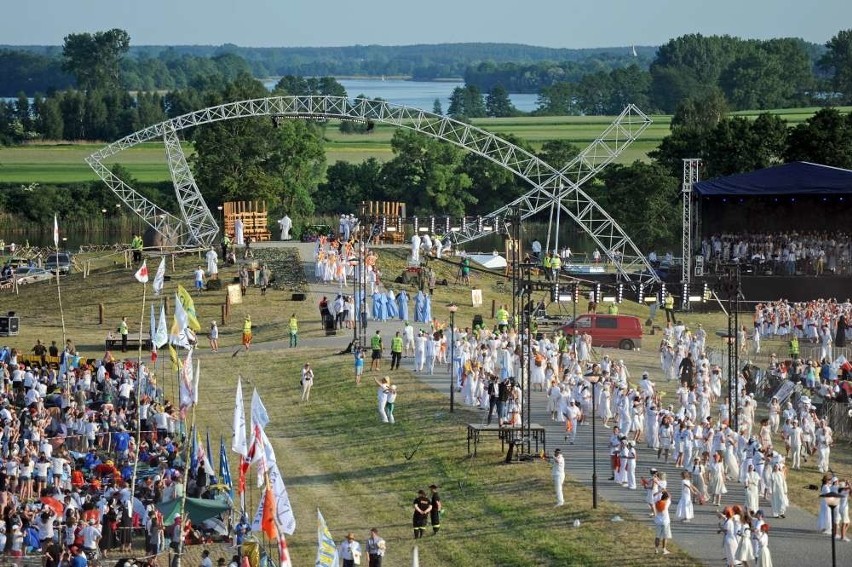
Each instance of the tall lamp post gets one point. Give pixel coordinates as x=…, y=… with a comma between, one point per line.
x=103, y=224
x=832, y=500
x=453, y=308
x=594, y=379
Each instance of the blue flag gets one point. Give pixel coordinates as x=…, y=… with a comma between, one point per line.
x=225, y=467
x=193, y=453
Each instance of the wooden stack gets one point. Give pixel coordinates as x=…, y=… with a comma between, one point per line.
x=254, y=216
x=392, y=212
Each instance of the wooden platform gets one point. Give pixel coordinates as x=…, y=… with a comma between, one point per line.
x=254, y=216
x=506, y=434
x=114, y=342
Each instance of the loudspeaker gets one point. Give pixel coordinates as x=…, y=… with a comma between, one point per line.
x=10, y=326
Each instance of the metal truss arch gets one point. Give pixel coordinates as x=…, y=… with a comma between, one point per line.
x=549, y=184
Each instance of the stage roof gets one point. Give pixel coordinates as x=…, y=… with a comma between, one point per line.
x=796, y=178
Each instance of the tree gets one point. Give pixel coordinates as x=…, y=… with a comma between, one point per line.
x=837, y=60
x=466, y=102
x=825, y=138
x=49, y=118
x=436, y=107
x=739, y=145
x=256, y=159
x=497, y=103
x=644, y=199
x=557, y=100
x=558, y=153
x=347, y=184
x=94, y=59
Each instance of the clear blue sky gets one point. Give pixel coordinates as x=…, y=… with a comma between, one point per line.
x=552, y=23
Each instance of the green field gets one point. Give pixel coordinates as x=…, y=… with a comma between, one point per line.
x=64, y=163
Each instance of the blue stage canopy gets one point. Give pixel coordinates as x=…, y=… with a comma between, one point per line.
x=796, y=178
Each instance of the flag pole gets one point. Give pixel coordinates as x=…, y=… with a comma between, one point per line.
x=58, y=288
x=185, y=481
x=138, y=388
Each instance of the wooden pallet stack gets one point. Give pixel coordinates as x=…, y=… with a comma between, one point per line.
x=254, y=216
x=392, y=216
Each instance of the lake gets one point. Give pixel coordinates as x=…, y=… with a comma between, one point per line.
x=418, y=94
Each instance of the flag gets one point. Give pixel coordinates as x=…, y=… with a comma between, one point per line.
x=160, y=277
x=174, y=358
x=197, y=380
x=283, y=552
x=225, y=467
x=188, y=305
x=177, y=334
x=284, y=516
x=248, y=458
x=210, y=460
x=267, y=511
x=55, y=231
x=142, y=273
x=259, y=415
x=187, y=396
x=201, y=456
x=161, y=335
x=238, y=440
x=193, y=452
x=415, y=557
x=326, y=550
x=153, y=330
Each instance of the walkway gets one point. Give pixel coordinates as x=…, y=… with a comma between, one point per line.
x=794, y=541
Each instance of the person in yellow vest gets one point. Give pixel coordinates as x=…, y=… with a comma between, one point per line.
x=294, y=331
x=613, y=309
x=668, y=305
x=502, y=318
x=396, y=351
x=556, y=265
x=546, y=264
x=794, y=348
x=136, y=246
x=247, y=332
x=123, y=331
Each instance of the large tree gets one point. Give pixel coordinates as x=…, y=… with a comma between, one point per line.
x=94, y=59
x=280, y=162
x=466, y=102
x=838, y=61
x=498, y=104
x=825, y=137
x=739, y=145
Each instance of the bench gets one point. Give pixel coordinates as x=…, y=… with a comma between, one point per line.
x=506, y=434
x=113, y=342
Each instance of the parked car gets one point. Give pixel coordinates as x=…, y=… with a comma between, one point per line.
x=32, y=274
x=58, y=262
x=613, y=331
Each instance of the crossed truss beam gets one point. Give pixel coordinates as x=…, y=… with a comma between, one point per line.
x=548, y=183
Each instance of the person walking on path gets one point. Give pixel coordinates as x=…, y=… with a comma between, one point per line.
x=396, y=351
x=663, y=522
x=685, y=509
x=214, y=336
x=294, y=331
x=376, y=548
x=247, y=332
x=376, y=347
x=422, y=508
x=557, y=471
x=307, y=381
x=199, y=279
x=437, y=508
x=124, y=331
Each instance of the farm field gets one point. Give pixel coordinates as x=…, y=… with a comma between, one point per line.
x=64, y=163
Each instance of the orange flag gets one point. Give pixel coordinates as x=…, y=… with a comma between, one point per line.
x=267, y=521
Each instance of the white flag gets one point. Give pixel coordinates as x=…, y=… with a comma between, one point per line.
x=153, y=330
x=285, y=519
x=161, y=337
x=160, y=277
x=326, y=550
x=141, y=274
x=177, y=336
x=187, y=396
x=259, y=416
x=55, y=231
x=238, y=441
x=197, y=380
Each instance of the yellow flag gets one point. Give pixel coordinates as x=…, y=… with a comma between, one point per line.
x=176, y=365
x=189, y=307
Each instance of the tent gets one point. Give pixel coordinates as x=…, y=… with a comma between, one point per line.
x=798, y=178
x=198, y=509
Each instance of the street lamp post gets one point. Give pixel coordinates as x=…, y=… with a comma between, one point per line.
x=594, y=379
x=453, y=308
x=832, y=500
x=103, y=224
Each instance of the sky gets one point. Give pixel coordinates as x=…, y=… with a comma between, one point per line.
x=549, y=23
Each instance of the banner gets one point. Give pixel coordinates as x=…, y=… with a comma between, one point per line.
x=259, y=415
x=141, y=274
x=238, y=440
x=187, y=395
x=188, y=305
x=283, y=510
x=161, y=336
x=326, y=550
x=160, y=277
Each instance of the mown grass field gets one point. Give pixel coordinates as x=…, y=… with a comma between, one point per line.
x=63, y=163
x=333, y=452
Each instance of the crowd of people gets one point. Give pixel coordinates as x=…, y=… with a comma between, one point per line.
x=783, y=253
x=69, y=454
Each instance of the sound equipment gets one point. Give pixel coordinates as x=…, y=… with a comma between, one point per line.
x=9, y=326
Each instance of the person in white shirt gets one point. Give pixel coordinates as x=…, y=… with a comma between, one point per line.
x=91, y=535
x=558, y=474
x=376, y=548
x=350, y=551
